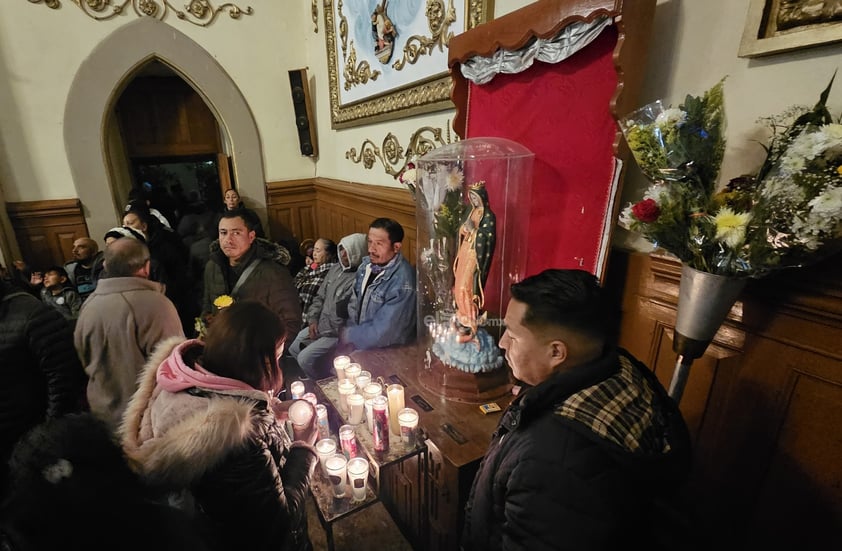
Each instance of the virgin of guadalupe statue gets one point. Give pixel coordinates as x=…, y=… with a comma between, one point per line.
x=477, y=237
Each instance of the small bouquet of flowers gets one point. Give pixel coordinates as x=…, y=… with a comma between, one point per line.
x=441, y=194
x=202, y=323
x=780, y=216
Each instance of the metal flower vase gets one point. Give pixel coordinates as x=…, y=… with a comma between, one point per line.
x=704, y=300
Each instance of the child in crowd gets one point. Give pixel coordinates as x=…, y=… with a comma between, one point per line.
x=57, y=292
x=311, y=276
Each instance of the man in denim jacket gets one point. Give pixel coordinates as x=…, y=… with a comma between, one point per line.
x=382, y=307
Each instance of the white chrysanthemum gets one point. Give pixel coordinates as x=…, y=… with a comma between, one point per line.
x=832, y=132
x=831, y=141
x=731, y=226
x=671, y=118
x=806, y=146
x=455, y=179
x=828, y=203
x=410, y=176
x=782, y=189
x=655, y=192
x=626, y=217
x=810, y=230
x=791, y=164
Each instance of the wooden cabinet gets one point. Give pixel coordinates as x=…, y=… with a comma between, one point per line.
x=764, y=404
x=426, y=494
x=402, y=493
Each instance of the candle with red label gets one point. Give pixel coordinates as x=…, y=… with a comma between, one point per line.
x=348, y=441
x=379, y=407
x=324, y=427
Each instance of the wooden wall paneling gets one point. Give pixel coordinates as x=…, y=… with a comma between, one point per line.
x=345, y=208
x=776, y=458
x=764, y=402
x=45, y=230
x=802, y=483
x=291, y=208
x=334, y=209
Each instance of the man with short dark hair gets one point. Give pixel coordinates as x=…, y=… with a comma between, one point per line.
x=592, y=445
x=119, y=326
x=382, y=307
x=246, y=267
x=85, y=269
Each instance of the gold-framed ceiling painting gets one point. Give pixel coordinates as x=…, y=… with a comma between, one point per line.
x=387, y=59
x=777, y=26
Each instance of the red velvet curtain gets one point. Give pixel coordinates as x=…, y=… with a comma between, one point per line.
x=561, y=112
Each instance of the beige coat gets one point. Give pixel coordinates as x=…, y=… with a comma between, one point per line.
x=118, y=327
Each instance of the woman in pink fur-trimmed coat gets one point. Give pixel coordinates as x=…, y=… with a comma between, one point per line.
x=204, y=426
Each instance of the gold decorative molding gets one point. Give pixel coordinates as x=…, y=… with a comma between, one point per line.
x=429, y=92
x=439, y=21
x=314, y=13
x=198, y=12
x=391, y=154
x=357, y=73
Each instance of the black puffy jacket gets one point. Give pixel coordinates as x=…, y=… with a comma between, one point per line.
x=580, y=462
x=39, y=369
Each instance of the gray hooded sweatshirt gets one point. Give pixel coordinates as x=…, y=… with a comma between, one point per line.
x=330, y=306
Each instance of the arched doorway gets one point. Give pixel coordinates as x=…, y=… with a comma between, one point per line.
x=176, y=154
x=99, y=82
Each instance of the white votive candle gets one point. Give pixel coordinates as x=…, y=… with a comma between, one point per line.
x=339, y=364
x=396, y=403
x=351, y=372
x=346, y=388
x=356, y=404
x=296, y=389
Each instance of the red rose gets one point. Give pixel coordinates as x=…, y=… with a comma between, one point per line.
x=647, y=211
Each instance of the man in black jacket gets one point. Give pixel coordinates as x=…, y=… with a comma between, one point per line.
x=591, y=447
x=41, y=374
x=86, y=267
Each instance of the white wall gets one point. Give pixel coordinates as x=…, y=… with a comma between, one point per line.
x=41, y=50
x=694, y=44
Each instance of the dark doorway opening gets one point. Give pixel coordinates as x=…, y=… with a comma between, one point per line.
x=179, y=185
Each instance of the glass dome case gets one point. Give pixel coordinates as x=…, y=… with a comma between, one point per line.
x=472, y=207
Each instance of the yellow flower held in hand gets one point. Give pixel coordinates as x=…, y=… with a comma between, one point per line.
x=223, y=301
x=731, y=226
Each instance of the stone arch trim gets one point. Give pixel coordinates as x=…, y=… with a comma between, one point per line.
x=101, y=78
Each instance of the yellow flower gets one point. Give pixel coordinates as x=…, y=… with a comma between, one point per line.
x=223, y=301
x=731, y=226
x=839, y=170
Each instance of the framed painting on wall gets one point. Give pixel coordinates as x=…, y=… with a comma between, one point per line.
x=387, y=59
x=776, y=26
